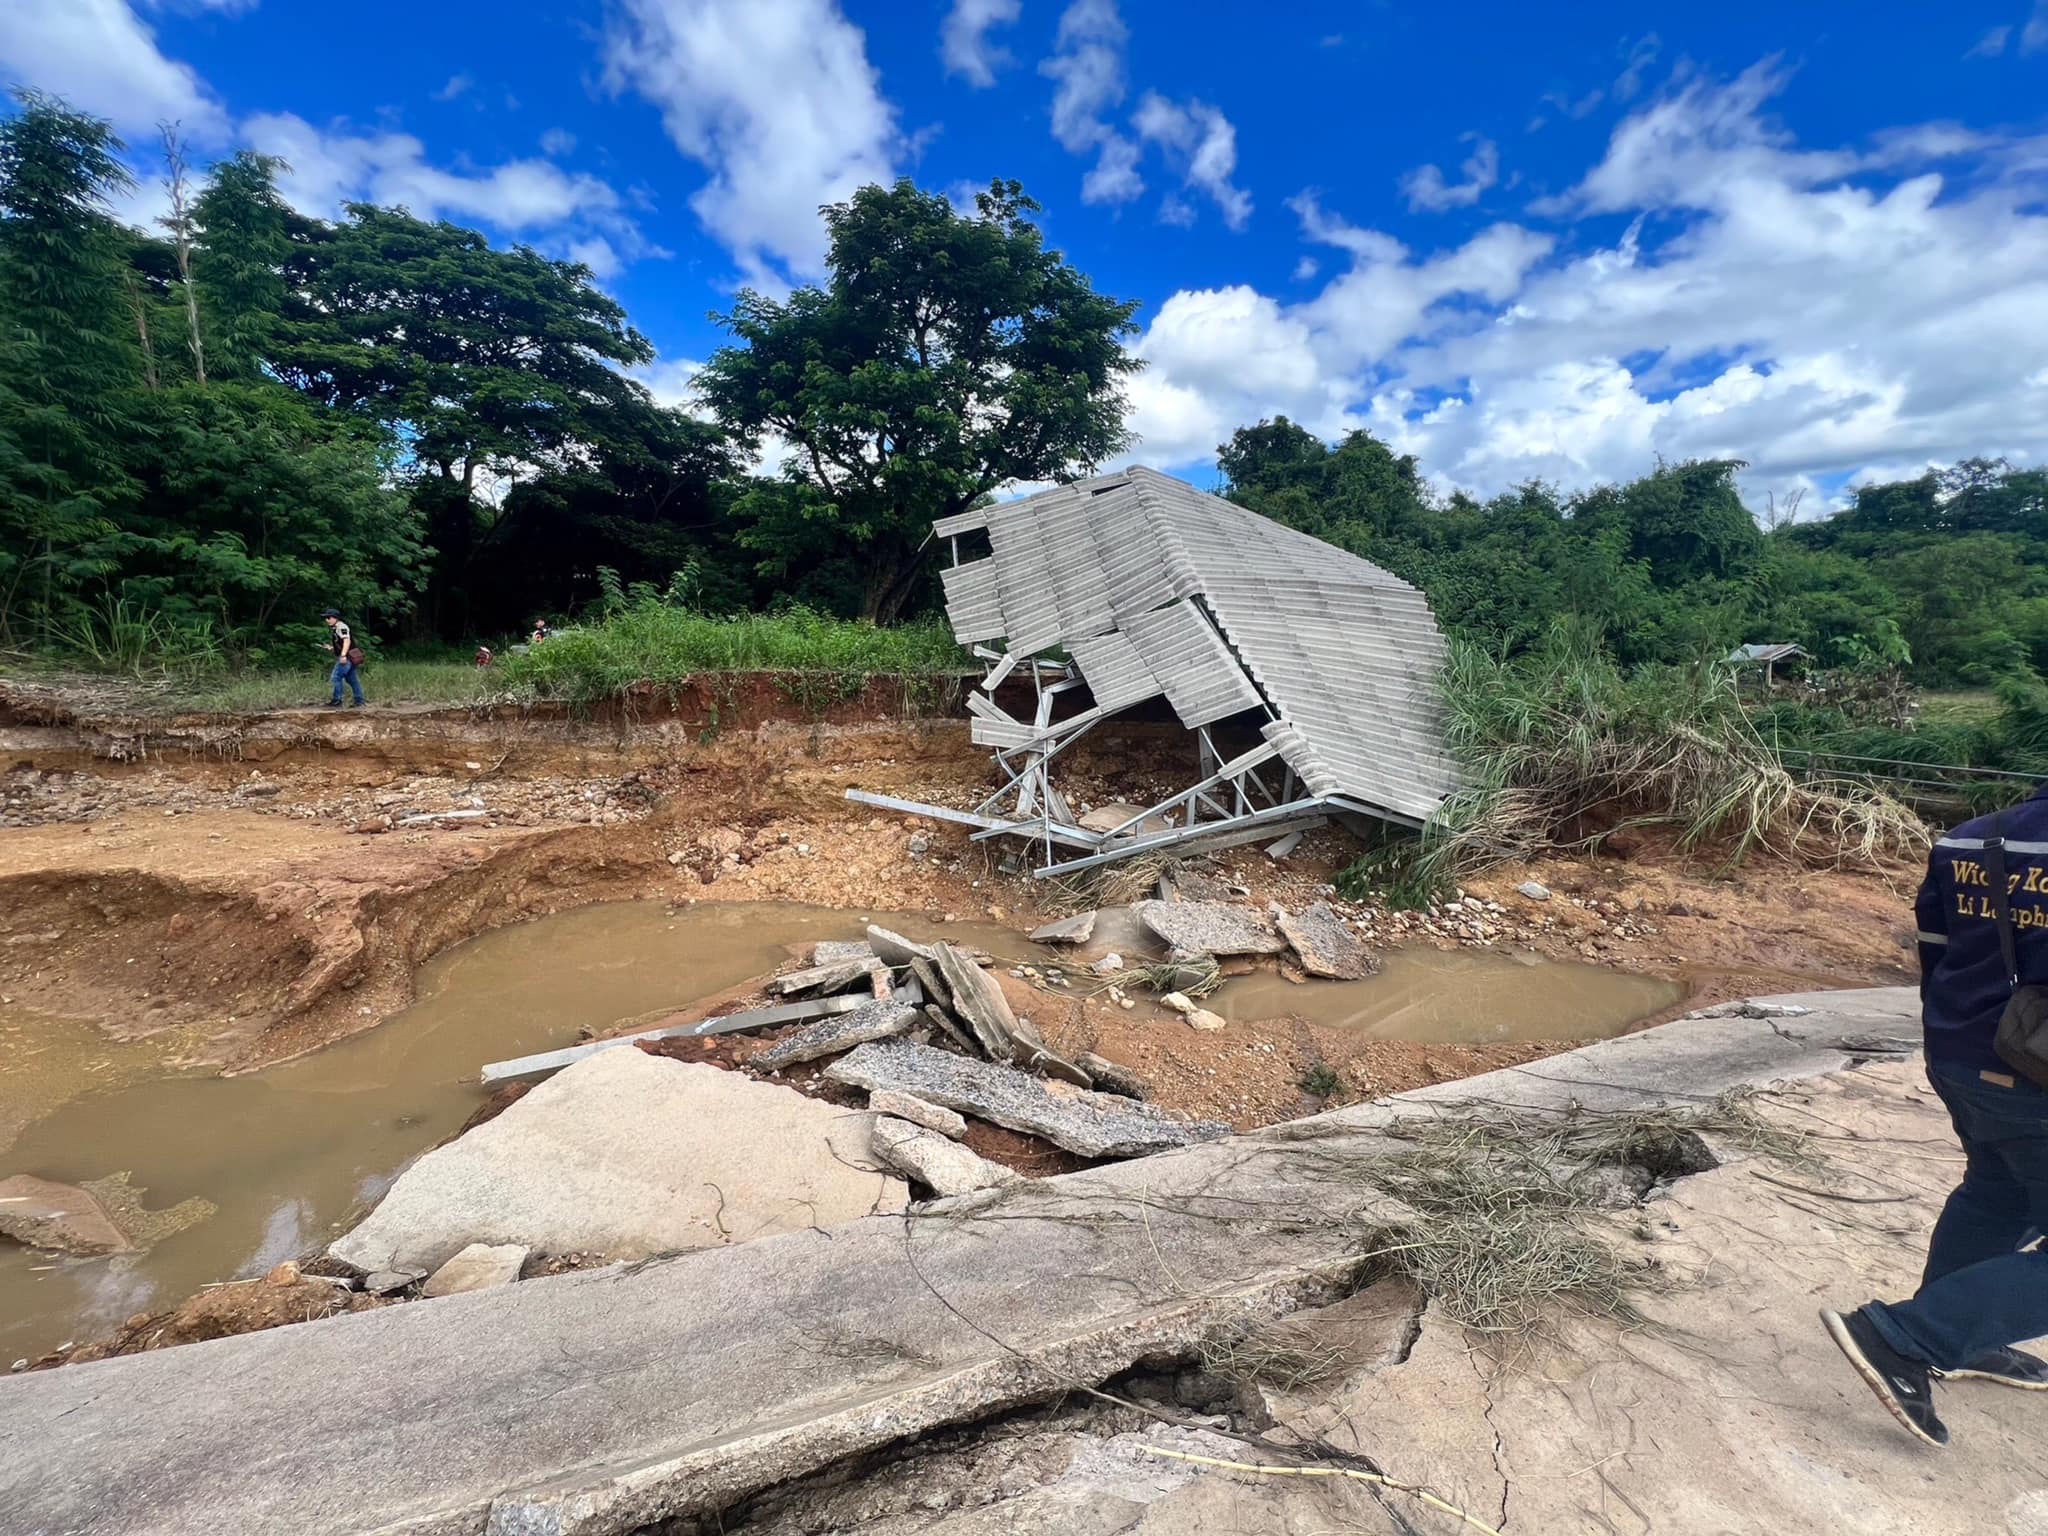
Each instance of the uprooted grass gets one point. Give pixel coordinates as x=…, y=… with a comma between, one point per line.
x=1559, y=748
x=1507, y=1231
x=1280, y=1354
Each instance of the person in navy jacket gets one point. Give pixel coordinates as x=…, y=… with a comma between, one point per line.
x=1985, y=1287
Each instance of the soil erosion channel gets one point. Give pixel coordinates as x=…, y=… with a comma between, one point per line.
x=289, y=1154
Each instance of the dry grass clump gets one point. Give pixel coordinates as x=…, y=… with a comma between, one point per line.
x=1558, y=737
x=1507, y=1232
x=1280, y=1354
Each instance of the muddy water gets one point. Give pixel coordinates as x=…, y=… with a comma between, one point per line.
x=1467, y=997
x=289, y=1153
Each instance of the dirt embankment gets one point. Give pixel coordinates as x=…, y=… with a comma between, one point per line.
x=231, y=892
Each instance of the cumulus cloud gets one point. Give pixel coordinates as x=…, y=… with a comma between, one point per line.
x=776, y=99
x=557, y=142
x=1990, y=45
x=1087, y=68
x=457, y=85
x=1425, y=187
x=965, y=44
x=2034, y=36
x=100, y=57
x=1823, y=313
x=1204, y=144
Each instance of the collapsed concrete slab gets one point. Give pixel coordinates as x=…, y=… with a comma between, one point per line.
x=893, y=949
x=836, y=976
x=1092, y=1124
x=933, y=1117
x=1068, y=930
x=477, y=1268
x=828, y=1037
x=833, y=951
x=1210, y=928
x=1324, y=945
x=61, y=1218
x=942, y=1166
x=628, y=1155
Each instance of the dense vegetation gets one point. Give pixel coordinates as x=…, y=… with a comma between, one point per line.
x=210, y=431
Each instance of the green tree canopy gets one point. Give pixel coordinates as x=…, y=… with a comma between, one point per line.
x=945, y=356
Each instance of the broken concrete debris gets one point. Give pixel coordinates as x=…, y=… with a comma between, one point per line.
x=1068, y=930
x=546, y=1062
x=1085, y=1122
x=933, y=1117
x=928, y=1158
x=1203, y=1019
x=477, y=1268
x=877, y=1021
x=628, y=1155
x=1110, y=1077
x=88, y=1220
x=1324, y=945
x=383, y=1282
x=837, y=951
x=1210, y=928
x=893, y=949
x=1535, y=890
x=835, y=977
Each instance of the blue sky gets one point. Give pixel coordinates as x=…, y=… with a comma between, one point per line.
x=1814, y=237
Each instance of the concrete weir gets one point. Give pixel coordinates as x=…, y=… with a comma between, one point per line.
x=600, y=1402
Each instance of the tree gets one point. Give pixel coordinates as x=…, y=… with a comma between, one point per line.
x=248, y=238
x=945, y=356
x=485, y=361
x=70, y=364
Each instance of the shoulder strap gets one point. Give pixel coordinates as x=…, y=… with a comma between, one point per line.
x=1994, y=855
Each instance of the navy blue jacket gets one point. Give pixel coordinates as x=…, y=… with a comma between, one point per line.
x=1963, y=980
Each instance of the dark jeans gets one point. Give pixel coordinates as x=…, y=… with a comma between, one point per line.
x=1979, y=1291
x=345, y=672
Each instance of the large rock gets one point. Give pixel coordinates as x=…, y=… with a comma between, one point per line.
x=1092, y=1124
x=629, y=1155
x=60, y=1217
x=1324, y=945
x=1210, y=928
x=876, y=1021
x=477, y=1268
x=944, y=1167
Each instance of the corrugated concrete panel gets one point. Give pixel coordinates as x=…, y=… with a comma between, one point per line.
x=1113, y=670
x=1342, y=652
x=1202, y=679
x=973, y=605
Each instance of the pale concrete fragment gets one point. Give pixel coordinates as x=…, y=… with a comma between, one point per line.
x=834, y=951
x=893, y=948
x=628, y=1155
x=385, y=1281
x=1179, y=1002
x=544, y=1062
x=836, y=977
x=1284, y=846
x=877, y=1021
x=59, y=1217
x=1324, y=945
x=933, y=1117
x=978, y=999
x=1112, y=1077
x=1081, y=1120
x=1535, y=890
x=944, y=1167
x=1203, y=1019
x=477, y=1268
x=1210, y=928
x=1068, y=930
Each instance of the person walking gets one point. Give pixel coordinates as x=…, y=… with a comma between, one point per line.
x=348, y=658
x=1983, y=918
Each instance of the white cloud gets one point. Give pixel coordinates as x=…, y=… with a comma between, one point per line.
x=1177, y=211
x=456, y=86
x=964, y=41
x=1819, y=312
x=1306, y=268
x=1990, y=45
x=100, y=57
x=1641, y=55
x=597, y=253
x=777, y=99
x=1426, y=188
x=2034, y=37
x=1204, y=143
x=1088, y=68
x=225, y=7
x=557, y=142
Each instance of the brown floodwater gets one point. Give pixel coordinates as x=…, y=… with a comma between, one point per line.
x=289, y=1155
x=1466, y=997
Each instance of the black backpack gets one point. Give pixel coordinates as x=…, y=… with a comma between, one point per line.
x=2022, y=1039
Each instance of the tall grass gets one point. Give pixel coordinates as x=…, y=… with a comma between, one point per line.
x=1560, y=749
x=134, y=640
x=654, y=643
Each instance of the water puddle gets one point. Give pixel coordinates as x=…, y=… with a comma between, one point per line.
x=287, y=1155
x=1466, y=997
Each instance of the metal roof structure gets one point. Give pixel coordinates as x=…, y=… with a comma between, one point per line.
x=1766, y=654
x=1154, y=588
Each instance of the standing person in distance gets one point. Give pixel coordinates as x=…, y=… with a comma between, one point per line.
x=348, y=658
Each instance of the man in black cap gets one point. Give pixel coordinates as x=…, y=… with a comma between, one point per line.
x=1983, y=920
x=347, y=659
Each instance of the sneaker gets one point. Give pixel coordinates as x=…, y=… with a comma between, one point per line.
x=2008, y=1367
x=334, y=703
x=1901, y=1384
